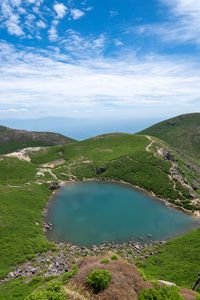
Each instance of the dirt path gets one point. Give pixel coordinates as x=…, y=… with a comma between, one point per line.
x=150, y=144
x=23, y=154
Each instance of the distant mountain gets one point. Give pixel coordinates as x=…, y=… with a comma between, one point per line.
x=12, y=139
x=182, y=132
x=81, y=128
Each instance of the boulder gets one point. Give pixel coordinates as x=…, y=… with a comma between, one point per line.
x=54, y=186
x=100, y=170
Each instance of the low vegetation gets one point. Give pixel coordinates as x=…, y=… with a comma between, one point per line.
x=99, y=280
x=120, y=157
x=178, y=261
x=53, y=291
x=21, y=232
x=181, y=132
x=161, y=293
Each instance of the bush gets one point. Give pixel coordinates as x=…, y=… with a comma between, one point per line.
x=161, y=293
x=99, y=280
x=114, y=257
x=68, y=275
x=105, y=261
x=51, y=292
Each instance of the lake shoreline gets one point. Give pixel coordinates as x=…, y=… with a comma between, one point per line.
x=195, y=214
x=144, y=239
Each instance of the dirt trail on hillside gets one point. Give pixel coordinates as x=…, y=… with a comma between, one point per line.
x=150, y=144
x=23, y=154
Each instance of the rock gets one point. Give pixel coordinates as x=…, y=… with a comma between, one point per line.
x=100, y=170
x=166, y=154
x=48, y=226
x=54, y=186
x=166, y=283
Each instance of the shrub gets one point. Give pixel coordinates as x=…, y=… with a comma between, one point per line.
x=99, y=280
x=68, y=275
x=51, y=292
x=105, y=261
x=161, y=293
x=114, y=257
x=198, y=297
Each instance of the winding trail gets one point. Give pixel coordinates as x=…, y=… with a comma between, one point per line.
x=150, y=144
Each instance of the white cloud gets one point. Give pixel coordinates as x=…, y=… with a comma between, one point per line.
x=13, y=110
x=13, y=27
x=113, y=13
x=52, y=33
x=60, y=10
x=182, y=24
x=77, y=13
x=117, y=42
x=81, y=46
x=125, y=85
x=11, y=19
x=41, y=24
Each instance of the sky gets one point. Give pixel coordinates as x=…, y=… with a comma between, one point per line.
x=99, y=59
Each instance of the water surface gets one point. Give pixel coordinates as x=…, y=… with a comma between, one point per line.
x=87, y=213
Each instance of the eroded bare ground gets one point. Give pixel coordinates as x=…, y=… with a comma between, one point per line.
x=23, y=154
x=126, y=282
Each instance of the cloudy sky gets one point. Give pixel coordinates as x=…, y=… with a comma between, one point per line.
x=111, y=58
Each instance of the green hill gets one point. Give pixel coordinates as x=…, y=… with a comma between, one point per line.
x=182, y=133
x=12, y=139
x=134, y=159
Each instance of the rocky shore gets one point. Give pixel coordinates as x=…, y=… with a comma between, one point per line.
x=60, y=260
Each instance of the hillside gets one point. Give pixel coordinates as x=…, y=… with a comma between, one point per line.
x=140, y=160
x=12, y=139
x=182, y=133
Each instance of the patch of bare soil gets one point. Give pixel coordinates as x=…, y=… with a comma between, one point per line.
x=126, y=281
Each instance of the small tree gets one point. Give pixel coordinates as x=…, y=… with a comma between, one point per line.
x=99, y=280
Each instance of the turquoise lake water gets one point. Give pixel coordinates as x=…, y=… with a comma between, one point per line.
x=87, y=213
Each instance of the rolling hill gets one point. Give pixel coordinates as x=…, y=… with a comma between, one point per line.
x=145, y=161
x=12, y=139
x=182, y=133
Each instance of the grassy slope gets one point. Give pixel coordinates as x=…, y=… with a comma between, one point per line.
x=21, y=207
x=178, y=261
x=12, y=139
x=123, y=155
x=182, y=132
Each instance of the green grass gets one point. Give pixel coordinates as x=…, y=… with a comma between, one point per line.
x=18, y=289
x=102, y=148
x=125, y=158
x=14, y=146
x=14, y=171
x=178, y=261
x=20, y=236
x=181, y=132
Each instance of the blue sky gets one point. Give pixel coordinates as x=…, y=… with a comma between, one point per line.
x=108, y=59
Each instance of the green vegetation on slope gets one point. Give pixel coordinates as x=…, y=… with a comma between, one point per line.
x=24, y=194
x=123, y=155
x=12, y=139
x=182, y=133
x=178, y=261
x=21, y=233
x=14, y=171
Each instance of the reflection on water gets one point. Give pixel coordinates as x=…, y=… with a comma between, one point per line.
x=89, y=213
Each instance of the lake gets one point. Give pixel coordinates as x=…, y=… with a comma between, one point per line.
x=87, y=213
